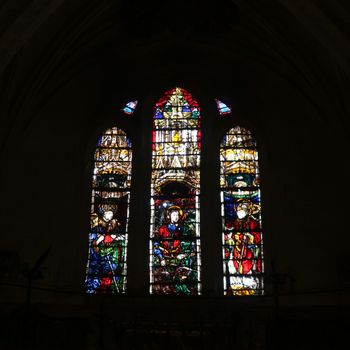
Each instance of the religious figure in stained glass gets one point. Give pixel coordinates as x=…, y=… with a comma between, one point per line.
x=106, y=268
x=175, y=243
x=241, y=214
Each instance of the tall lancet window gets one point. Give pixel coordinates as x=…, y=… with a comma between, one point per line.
x=106, y=268
x=241, y=217
x=175, y=237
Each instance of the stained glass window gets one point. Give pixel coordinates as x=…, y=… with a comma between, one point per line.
x=106, y=268
x=130, y=107
x=175, y=237
x=222, y=107
x=241, y=214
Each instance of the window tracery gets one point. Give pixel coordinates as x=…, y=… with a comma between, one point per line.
x=241, y=214
x=175, y=245
x=175, y=234
x=108, y=238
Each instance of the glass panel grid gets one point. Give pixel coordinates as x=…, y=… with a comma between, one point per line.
x=241, y=214
x=107, y=268
x=130, y=107
x=175, y=228
x=223, y=108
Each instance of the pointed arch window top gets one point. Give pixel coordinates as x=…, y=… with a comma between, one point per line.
x=238, y=137
x=223, y=108
x=177, y=104
x=130, y=107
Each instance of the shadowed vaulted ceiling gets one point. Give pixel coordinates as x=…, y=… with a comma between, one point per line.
x=45, y=43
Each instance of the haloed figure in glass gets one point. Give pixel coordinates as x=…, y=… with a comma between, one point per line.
x=106, y=250
x=171, y=248
x=174, y=255
x=242, y=241
x=175, y=189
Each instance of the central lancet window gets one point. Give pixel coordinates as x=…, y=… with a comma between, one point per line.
x=174, y=228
